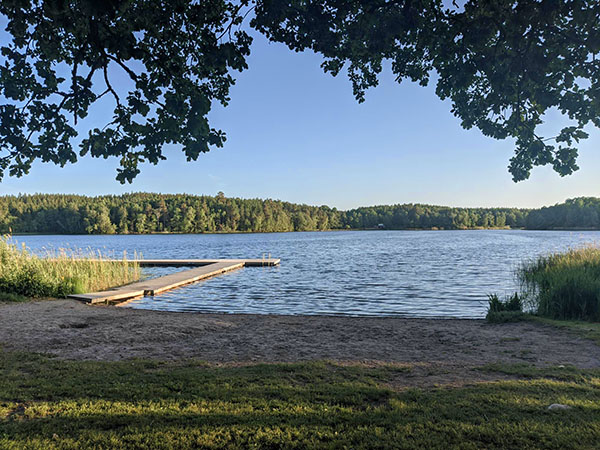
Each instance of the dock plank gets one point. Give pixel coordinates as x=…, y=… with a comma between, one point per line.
x=203, y=262
x=257, y=262
x=112, y=295
x=209, y=268
x=174, y=280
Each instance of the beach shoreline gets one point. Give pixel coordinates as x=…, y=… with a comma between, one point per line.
x=448, y=351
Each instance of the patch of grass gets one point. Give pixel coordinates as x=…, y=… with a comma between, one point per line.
x=509, y=310
x=564, y=373
x=10, y=297
x=46, y=403
x=510, y=339
x=505, y=316
x=588, y=330
x=59, y=274
x=564, y=285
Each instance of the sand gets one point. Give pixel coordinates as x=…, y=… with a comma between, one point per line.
x=444, y=350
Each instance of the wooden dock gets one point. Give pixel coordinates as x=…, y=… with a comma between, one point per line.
x=203, y=262
x=202, y=269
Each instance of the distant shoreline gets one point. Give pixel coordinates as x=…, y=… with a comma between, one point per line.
x=151, y=213
x=167, y=233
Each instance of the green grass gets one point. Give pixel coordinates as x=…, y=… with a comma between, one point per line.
x=23, y=274
x=46, y=403
x=509, y=310
x=9, y=297
x=563, y=373
x=506, y=316
x=588, y=330
x=564, y=285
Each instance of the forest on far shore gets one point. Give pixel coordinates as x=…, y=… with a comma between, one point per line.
x=183, y=213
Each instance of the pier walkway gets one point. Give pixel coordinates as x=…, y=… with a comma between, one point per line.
x=202, y=269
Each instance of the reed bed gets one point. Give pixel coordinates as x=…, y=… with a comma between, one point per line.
x=564, y=285
x=60, y=273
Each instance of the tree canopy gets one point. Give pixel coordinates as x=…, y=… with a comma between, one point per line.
x=183, y=213
x=503, y=64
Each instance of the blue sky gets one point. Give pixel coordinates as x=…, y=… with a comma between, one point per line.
x=297, y=134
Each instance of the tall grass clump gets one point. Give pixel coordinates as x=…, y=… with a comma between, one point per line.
x=509, y=310
x=564, y=285
x=61, y=273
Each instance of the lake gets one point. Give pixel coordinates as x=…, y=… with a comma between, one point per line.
x=376, y=273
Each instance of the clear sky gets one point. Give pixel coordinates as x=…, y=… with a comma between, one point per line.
x=297, y=134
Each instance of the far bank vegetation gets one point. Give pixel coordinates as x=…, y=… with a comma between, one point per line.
x=182, y=213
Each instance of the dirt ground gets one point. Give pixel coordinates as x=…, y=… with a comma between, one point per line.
x=438, y=350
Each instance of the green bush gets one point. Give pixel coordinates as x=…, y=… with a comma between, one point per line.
x=59, y=274
x=564, y=285
x=508, y=310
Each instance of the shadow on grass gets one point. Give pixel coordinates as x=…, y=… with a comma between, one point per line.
x=46, y=403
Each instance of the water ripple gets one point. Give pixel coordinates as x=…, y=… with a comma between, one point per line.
x=374, y=273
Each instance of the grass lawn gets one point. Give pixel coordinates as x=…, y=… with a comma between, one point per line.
x=588, y=330
x=585, y=329
x=47, y=403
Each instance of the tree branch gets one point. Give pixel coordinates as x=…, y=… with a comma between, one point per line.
x=110, y=88
x=74, y=88
x=130, y=72
x=103, y=94
x=227, y=30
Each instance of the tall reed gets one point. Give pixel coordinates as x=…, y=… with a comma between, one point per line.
x=564, y=285
x=60, y=273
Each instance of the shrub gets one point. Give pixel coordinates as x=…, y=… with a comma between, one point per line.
x=514, y=303
x=509, y=310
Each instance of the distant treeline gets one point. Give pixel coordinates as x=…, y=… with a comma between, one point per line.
x=582, y=213
x=181, y=213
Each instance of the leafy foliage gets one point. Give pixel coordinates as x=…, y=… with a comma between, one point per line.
x=582, y=212
x=502, y=63
x=182, y=213
x=176, y=54
x=420, y=216
x=148, y=213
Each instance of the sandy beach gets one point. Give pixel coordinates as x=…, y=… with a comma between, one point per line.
x=440, y=351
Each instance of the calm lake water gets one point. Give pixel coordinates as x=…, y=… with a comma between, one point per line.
x=405, y=273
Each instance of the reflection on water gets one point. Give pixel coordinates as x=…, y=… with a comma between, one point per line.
x=409, y=273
